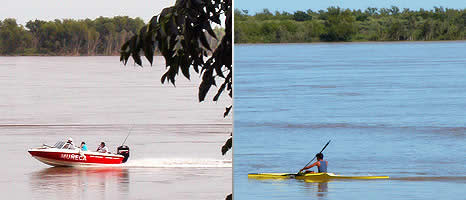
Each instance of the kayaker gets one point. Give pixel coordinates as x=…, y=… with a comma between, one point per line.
x=83, y=146
x=69, y=144
x=102, y=148
x=320, y=163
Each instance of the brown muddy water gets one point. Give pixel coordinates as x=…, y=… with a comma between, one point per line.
x=175, y=140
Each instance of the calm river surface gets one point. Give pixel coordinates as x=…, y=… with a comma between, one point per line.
x=175, y=141
x=396, y=109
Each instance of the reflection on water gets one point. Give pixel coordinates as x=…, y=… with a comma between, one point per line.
x=320, y=189
x=79, y=182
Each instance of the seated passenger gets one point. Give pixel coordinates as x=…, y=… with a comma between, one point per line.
x=83, y=146
x=69, y=144
x=102, y=148
x=320, y=163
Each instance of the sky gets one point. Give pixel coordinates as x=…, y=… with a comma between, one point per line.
x=25, y=10
x=293, y=5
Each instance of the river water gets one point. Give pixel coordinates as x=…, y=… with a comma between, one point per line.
x=395, y=109
x=175, y=141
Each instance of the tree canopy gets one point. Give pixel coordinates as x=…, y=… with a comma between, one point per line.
x=338, y=24
x=13, y=38
x=101, y=36
x=180, y=34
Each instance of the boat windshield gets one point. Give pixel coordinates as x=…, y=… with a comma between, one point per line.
x=59, y=144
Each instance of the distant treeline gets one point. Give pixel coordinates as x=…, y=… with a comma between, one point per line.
x=101, y=36
x=337, y=24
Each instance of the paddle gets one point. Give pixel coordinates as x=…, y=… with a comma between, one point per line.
x=314, y=156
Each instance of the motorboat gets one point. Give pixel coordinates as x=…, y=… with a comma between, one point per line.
x=60, y=155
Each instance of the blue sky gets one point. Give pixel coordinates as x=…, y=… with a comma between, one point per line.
x=293, y=5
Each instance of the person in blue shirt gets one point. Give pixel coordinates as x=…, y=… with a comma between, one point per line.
x=83, y=146
x=321, y=164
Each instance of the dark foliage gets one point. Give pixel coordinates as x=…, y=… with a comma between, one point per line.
x=180, y=34
x=227, y=146
x=301, y=16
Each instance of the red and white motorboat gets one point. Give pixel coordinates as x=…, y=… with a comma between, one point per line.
x=58, y=156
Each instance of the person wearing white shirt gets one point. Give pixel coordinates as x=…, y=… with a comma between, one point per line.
x=69, y=144
x=102, y=148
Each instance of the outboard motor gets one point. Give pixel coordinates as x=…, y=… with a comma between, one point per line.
x=124, y=151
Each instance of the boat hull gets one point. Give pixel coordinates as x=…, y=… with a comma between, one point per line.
x=312, y=176
x=74, y=157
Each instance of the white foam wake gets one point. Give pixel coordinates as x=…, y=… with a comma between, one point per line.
x=178, y=162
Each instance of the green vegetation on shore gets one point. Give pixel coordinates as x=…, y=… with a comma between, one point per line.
x=337, y=24
x=101, y=36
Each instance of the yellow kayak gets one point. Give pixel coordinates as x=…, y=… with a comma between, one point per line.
x=311, y=176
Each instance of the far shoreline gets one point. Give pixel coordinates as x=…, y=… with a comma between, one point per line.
x=250, y=44
x=352, y=42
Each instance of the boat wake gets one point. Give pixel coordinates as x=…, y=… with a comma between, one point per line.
x=177, y=162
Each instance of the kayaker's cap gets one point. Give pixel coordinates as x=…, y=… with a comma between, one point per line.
x=70, y=139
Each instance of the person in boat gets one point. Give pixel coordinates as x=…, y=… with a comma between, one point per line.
x=102, y=148
x=69, y=144
x=320, y=163
x=83, y=146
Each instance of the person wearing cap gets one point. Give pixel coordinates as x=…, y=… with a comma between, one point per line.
x=83, y=146
x=320, y=163
x=102, y=148
x=69, y=144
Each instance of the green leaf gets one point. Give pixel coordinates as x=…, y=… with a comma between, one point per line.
x=135, y=48
x=227, y=111
x=227, y=146
x=207, y=82
x=208, y=28
x=184, y=68
x=204, y=41
x=164, y=77
x=220, y=90
x=218, y=68
x=149, y=47
x=124, y=52
x=152, y=26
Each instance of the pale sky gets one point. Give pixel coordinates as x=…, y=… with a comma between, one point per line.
x=294, y=5
x=25, y=10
